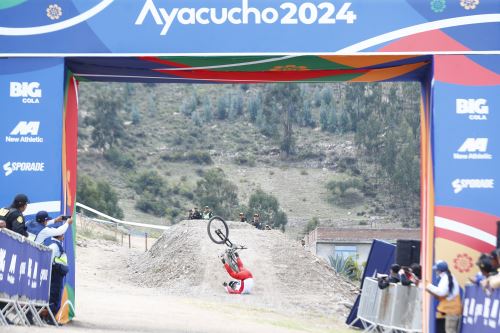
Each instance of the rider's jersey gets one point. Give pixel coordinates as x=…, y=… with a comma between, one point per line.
x=244, y=275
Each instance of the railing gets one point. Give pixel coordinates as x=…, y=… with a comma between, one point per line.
x=25, y=272
x=397, y=307
x=126, y=229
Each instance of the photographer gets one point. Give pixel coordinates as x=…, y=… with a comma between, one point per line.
x=43, y=232
x=384, y=280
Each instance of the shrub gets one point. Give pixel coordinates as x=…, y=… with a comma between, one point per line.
x=244, y=159
x=119, y=158
x=269, y=209
x=311, y=225
x=98, y=195
x=346, y=266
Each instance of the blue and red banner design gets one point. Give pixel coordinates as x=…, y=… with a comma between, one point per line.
x=24, y=269
x=31, y=95
x=247, y=26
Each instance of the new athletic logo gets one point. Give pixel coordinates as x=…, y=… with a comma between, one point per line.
x=29, y=92
x=288, y=13
x=25, y=131
x=11, y=167
x=473, y=149
x=476, y=108
x=461, y=184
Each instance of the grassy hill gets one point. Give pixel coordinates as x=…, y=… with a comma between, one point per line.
x=181, y=131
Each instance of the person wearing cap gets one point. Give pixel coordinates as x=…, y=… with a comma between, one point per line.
x=43, y=233
x=59, y=270
x=13, y=216
x=207, y=213
x=447, y=292
x=256, y=221
x=196, y=214
x=242, y=217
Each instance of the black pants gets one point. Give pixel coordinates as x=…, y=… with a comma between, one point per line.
x=440, y=326
x=56, y=288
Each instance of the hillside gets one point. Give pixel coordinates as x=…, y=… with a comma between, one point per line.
x=175, y=131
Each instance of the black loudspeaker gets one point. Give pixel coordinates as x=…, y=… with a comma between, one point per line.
x=407, y=252
x=498, y=234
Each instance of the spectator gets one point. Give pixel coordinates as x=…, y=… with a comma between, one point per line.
x=384, y=280
x=493, y=281
x=410, y=275
x=13, y=216
x=486, y=269
x=196, y=214
x=243, y=218
x=268, y=227
x=190, y=214
x=303, y=243
x=43, y=233
x=207, y=213
x=59, y=271
x=448, y=293
x=495, y=260
x=256, y=221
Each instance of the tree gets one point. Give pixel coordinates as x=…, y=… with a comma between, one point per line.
x=253, y=107
x=207, y=111
x=268, y=208
x=98, y=195
x=285, y=98
x=217, y=192
x=106, y=120
x=222, y=108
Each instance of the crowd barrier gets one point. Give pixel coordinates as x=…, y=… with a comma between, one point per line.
x=25, y=271
x=397, y=307
x=481, y=311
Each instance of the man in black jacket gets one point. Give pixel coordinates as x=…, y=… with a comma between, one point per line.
x=13, y=216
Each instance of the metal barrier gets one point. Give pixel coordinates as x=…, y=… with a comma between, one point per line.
x=396, y=308
x=25, y=271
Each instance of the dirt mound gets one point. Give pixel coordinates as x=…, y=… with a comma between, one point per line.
x=287, y=277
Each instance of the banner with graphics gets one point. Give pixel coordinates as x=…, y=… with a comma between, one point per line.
x=25, y=268
x=31, y=95
x=247, y=26
x=481, y=311
x=466, y=143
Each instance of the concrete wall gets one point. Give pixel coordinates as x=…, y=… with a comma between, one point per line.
x=324, y=250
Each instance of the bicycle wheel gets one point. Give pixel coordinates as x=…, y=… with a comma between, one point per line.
x=217, y=230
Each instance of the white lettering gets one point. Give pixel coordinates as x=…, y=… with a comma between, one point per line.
x=191, y=19
x=149, y=7
x=169, y=18
x=25, y=128
x=461, y=184
x=477, y=109
x=3, y=254
x=12, y=269
x=232, y=12
x=199, y=18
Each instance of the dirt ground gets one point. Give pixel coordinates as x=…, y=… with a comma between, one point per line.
x=112, y=298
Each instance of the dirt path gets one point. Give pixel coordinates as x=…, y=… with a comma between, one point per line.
x=108, y=301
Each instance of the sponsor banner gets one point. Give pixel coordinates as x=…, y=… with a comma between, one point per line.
x=249, y=26
x=25, y=268
x=31, y=98
x=481, y=311
x=467, y=146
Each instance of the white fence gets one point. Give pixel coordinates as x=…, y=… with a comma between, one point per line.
x=396, y=308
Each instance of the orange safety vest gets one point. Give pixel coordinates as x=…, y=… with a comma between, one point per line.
x=449, y=307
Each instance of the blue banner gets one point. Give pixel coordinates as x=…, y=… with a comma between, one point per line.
x=481, y=312
x=25, y=268
x=247, y=26
x=31, y=105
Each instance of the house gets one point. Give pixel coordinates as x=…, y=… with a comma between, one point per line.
x=355, y=242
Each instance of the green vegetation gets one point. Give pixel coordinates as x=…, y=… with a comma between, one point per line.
x=215, y=191
x=98, y=195
x=364, y=137
x=268, y=208
x=346, y=266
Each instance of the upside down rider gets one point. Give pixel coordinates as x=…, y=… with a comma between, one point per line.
x=244, y=283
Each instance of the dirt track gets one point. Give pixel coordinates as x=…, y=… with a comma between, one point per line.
x=109, y=301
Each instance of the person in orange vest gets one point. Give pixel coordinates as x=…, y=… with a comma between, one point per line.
x=447, y=292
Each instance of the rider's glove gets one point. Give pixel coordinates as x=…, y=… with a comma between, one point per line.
x=223, y=260
x=236, y=254
x=225, y=284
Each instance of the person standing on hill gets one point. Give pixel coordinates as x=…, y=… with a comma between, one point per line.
x=196, y=214
x=242, y=217
x=207, y=213
x=244, y=277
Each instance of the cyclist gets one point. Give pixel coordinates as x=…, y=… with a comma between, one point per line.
x=245, y=281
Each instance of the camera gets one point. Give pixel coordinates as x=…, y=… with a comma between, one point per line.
x=65, y=217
